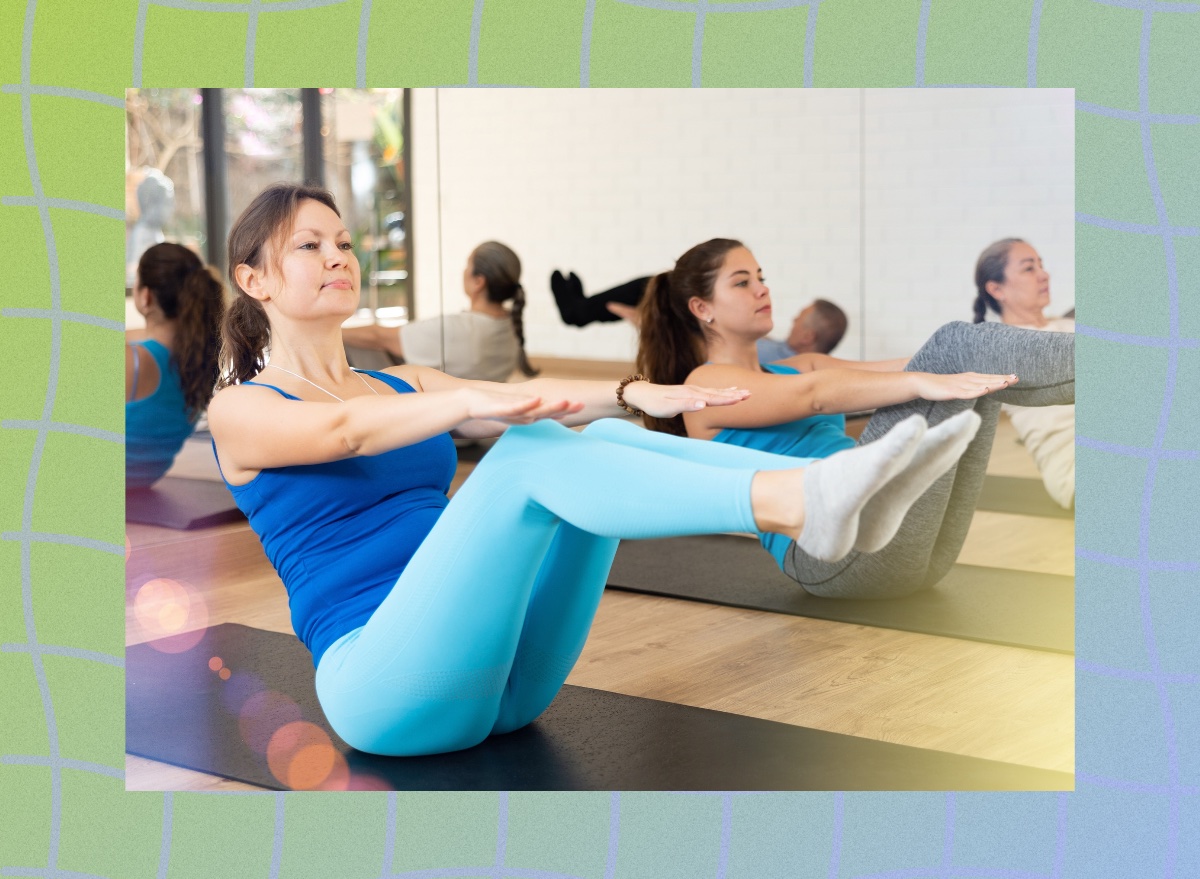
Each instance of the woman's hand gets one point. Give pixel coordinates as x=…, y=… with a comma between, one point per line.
x=959, y=386
x=489, y=405
x=666, y=401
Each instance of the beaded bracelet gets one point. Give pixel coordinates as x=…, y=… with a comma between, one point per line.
x=621, y=393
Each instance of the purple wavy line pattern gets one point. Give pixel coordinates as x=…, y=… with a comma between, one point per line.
x=1175, y=793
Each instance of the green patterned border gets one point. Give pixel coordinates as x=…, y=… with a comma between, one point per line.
x=64, y=66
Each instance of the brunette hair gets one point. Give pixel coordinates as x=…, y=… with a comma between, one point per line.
x=990, y=267
x=258, y=234
x=191, y=296
x=672, y=340
x=500, y=269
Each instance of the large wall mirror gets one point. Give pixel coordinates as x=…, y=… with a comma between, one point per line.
x=878, y=200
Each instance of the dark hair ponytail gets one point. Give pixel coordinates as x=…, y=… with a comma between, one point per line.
x=254, y=237
x=500, y=268
x=671, y=340
x=245, y=335
x=988, y=268
x=518, y=322
x=191, y=296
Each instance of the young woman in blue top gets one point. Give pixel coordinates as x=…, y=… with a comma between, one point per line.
x=434, y=623
x=169, y=375
x=700, y=323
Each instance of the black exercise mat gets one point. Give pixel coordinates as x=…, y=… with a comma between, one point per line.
x=179, y=711
x=182, y=504
x=1018, y=608
x=1016, y=494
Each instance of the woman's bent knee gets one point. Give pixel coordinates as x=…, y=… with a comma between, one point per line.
x=418, y=731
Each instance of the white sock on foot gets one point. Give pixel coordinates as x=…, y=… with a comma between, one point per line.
x=942, y=445
x=836, y=488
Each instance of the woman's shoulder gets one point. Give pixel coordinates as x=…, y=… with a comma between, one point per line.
x=152, y=347
x=247, y=393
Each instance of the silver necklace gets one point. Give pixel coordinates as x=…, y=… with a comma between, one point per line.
x=321, y=389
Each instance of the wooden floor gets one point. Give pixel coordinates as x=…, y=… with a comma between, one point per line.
x=964, y=697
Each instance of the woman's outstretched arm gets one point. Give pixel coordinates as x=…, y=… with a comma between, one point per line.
x=595, y=399
x=255, y=428
x=779, y=399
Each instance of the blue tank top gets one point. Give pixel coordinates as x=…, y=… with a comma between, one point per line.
x=339, y=534
x=817, y=436
x=155, y=426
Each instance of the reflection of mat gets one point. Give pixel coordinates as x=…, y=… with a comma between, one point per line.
x=983, y=604
x=1015, y=494
x=182, y=504
x=179, y=711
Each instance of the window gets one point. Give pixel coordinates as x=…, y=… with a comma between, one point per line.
x=262, y=134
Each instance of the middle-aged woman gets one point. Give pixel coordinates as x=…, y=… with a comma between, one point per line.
x=487, y=341
x=434, y=623
x=1011, y=280
x=700, y=323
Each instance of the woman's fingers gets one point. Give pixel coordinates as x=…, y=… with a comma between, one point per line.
x=697, y=397
x=721, y=396
x=993, y=382
x=964, y=385
x=535, y=409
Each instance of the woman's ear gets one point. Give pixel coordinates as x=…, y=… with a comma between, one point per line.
x=700, y=309
x=252, y=281
x=476, y=284
x=992, y=288
x=143, y=299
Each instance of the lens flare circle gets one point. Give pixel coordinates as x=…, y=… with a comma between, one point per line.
x=171, y=613
x=302, y=757
x=262, y=715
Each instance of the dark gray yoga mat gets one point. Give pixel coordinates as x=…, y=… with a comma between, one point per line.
x=182, y=504
x=178, y=710
x=1016, y=494
x=1018, y=608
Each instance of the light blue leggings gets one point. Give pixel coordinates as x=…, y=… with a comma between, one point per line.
x=481, y=629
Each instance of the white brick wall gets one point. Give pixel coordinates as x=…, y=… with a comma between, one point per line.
x=617, y=183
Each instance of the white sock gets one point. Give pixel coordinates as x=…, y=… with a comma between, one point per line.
x=942, y=445
x=836, y=488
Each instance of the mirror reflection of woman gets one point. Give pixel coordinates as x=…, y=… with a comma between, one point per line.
x=485, y=342
x=170, y=374
x=435, y=622
x=1011, y=280
x=701, y=321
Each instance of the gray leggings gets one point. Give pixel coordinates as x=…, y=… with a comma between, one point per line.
x=933, y=532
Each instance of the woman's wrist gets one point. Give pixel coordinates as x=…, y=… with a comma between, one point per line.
x=623, y=389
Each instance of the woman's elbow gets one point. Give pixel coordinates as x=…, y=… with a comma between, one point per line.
x=348, y=436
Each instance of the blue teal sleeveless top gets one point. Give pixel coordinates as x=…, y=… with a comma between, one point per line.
x=339, y=534
x=155, y=426
x=817, y=436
